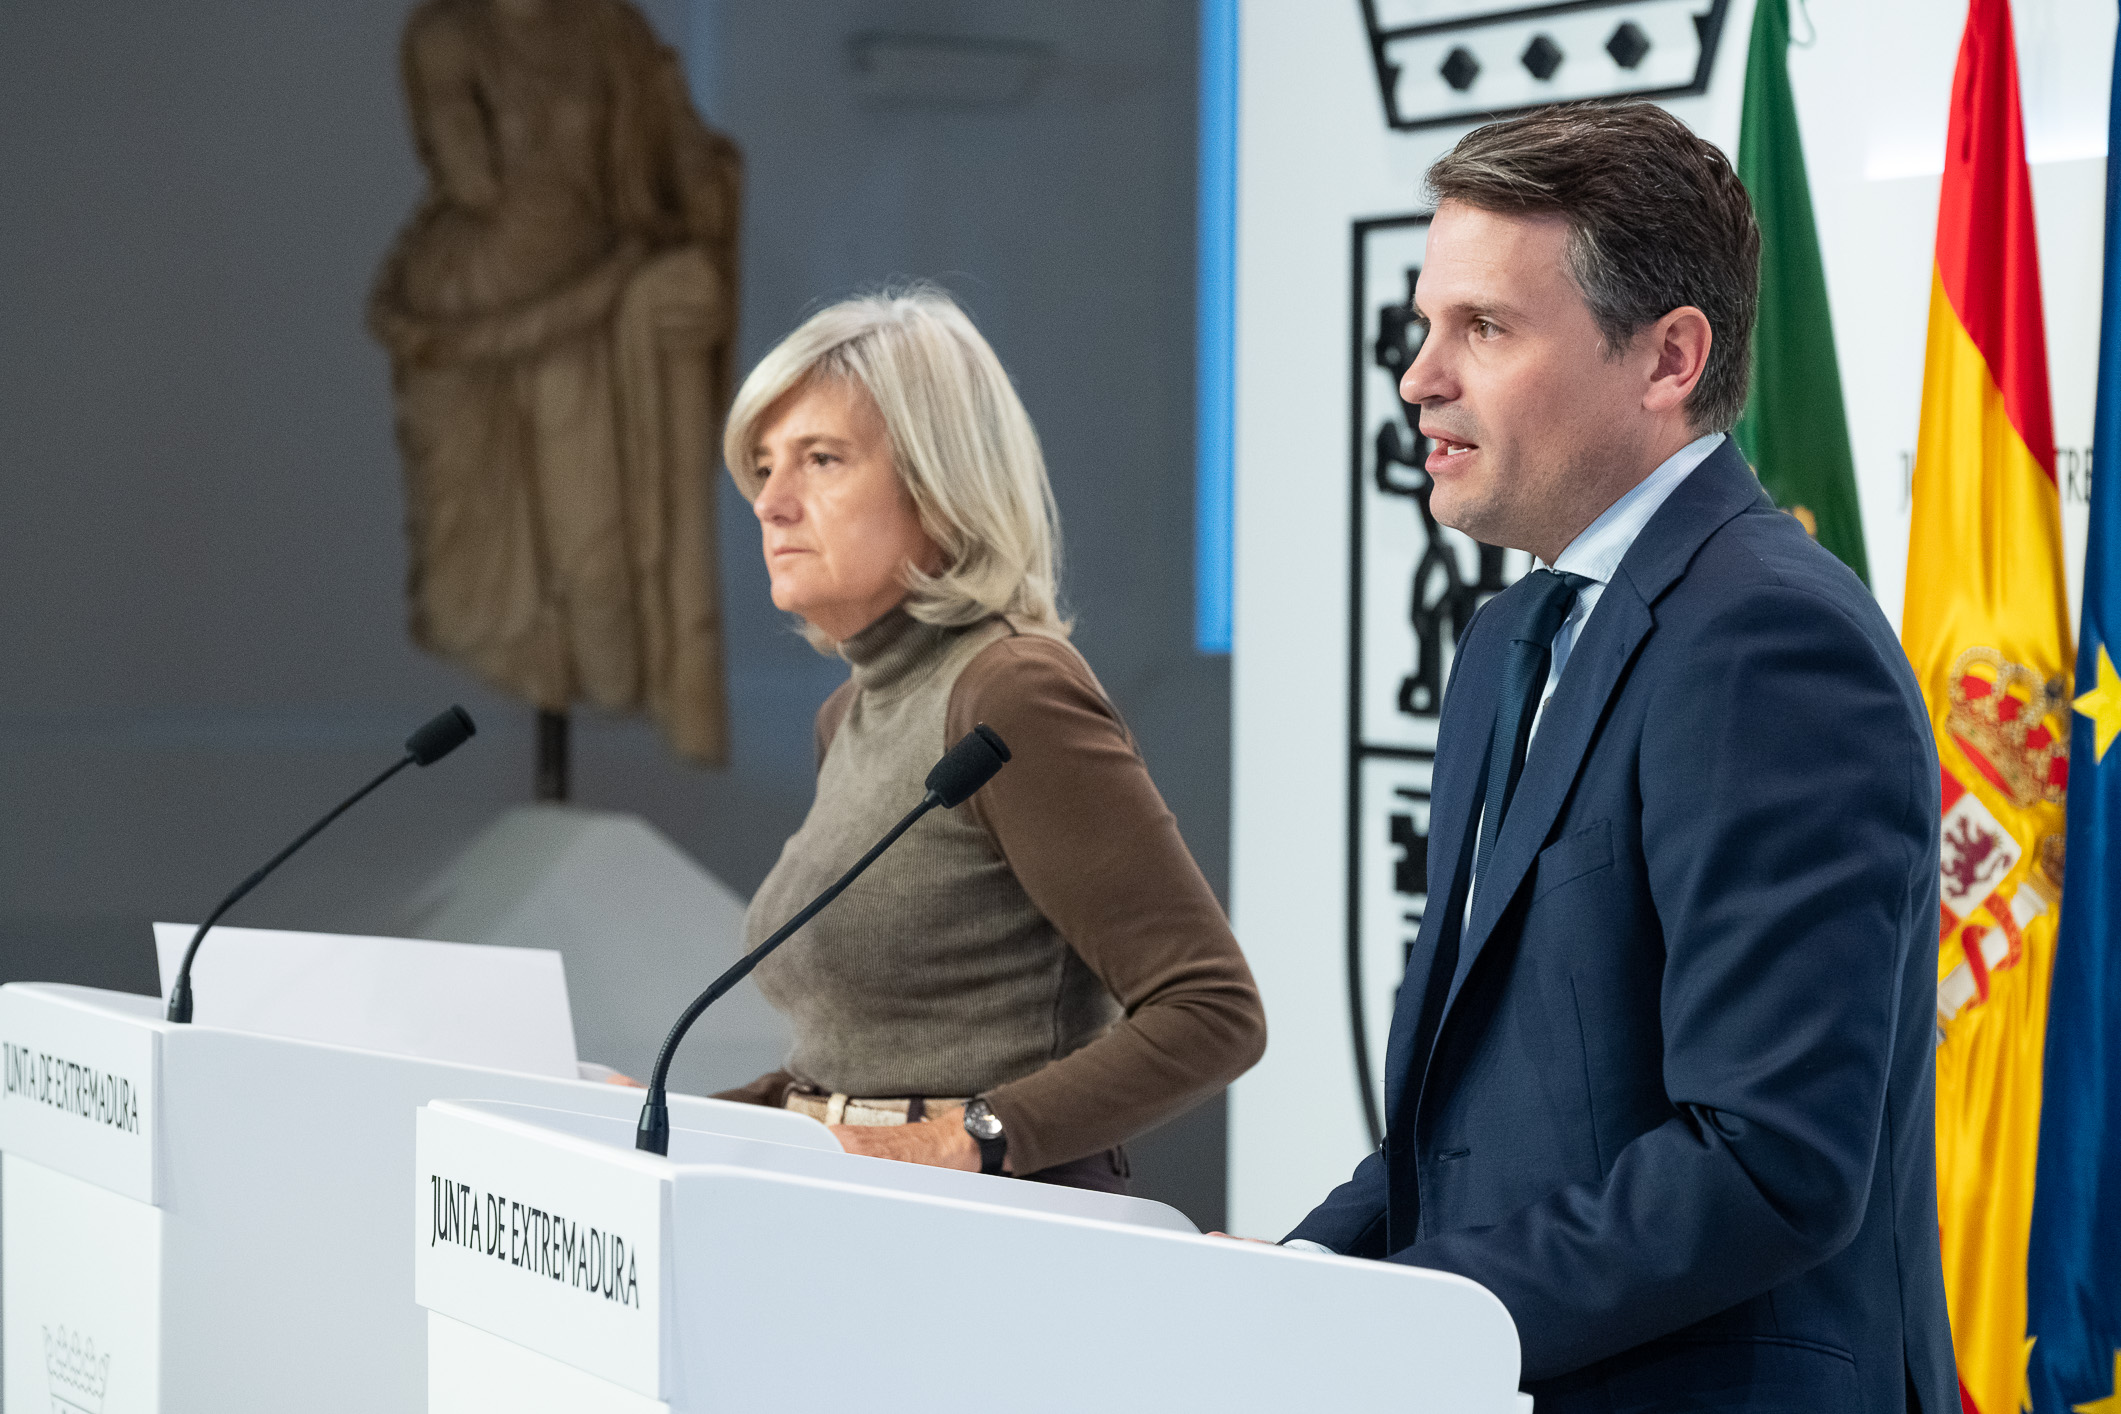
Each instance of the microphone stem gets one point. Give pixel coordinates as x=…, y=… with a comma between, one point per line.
x=653, y=1134
x=180, y=999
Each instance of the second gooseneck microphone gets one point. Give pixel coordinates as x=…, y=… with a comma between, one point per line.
x=964, y=768
x=433, y=741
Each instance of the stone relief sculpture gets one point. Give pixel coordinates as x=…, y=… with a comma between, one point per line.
x=560, y=312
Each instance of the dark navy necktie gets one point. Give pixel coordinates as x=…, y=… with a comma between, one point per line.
x=1542, y=607
x=1533, y=611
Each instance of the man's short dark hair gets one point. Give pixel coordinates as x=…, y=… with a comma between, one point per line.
x=1657, y=219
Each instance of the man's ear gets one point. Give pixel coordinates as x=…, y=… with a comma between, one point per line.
x=1678, y=346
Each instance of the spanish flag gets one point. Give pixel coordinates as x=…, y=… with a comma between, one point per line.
x=1987, y=627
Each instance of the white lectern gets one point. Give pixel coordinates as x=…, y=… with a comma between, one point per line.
x=206, y=1219
x=564, y=1271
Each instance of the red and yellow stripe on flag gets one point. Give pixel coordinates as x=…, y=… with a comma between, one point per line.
x=1986, y=625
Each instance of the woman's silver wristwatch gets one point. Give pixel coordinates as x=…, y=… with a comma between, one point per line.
x=985, y=1127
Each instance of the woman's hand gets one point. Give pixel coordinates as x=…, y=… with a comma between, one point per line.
x=940, y=1142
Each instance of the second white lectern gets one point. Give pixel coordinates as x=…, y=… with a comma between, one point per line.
x=207, y=1219
x=562, y=1270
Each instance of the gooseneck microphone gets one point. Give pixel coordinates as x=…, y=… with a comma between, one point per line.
x=424, y=747
x=964, y=768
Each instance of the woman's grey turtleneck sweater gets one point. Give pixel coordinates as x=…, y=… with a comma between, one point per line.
x=1050, y=944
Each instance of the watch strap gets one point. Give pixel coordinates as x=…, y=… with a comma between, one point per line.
x=993, y=1148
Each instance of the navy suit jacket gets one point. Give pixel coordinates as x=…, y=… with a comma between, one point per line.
x=1678, y=1114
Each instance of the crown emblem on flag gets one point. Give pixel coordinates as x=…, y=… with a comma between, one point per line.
x=78, y=1376
x=2000, y=718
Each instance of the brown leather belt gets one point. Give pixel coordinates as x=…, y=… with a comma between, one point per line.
x=847, y=1109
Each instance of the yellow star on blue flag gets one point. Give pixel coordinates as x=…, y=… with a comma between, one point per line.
x=2109, y=1405
x=2103, y=705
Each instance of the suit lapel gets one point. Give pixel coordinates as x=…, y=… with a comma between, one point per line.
x=1608, y=643
x=1469, y=708
x=1717, y=490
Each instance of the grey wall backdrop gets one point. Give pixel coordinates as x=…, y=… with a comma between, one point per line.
x=201, y=564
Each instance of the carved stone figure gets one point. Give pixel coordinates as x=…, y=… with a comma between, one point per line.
x=560, y=313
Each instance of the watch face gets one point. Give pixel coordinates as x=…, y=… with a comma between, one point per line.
x=982, y=1122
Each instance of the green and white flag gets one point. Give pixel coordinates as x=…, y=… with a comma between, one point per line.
x=1794, y=430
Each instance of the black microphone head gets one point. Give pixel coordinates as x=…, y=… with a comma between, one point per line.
x=440, y=737
x=968, y=765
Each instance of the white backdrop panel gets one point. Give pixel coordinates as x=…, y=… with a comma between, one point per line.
x=1320, y=738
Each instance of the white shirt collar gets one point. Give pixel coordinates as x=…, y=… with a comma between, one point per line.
x=1597, y=552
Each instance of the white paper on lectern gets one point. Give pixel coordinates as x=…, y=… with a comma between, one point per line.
x=459, y=1002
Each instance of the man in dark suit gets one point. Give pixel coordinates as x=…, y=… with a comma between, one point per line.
x=1660, y=1075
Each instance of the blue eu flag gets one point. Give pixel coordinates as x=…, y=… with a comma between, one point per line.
x=2073, y=1268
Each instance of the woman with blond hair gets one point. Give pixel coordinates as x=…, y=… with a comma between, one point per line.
x=1027, y=981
